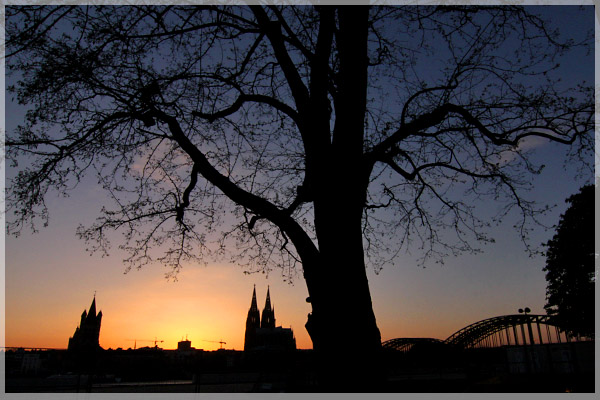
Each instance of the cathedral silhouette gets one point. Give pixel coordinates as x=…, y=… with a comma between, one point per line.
x=87, y=334
x=262, y=334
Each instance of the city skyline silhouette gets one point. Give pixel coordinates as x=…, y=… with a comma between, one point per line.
x=521, y=350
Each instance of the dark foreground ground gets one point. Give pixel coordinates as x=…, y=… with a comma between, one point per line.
x=495, y=370
x=256, y=382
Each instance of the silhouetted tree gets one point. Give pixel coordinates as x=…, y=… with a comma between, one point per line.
x=335, y=135
x=570, y=267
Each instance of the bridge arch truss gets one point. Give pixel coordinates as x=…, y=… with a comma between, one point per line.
x=406, y=344
x=515, y=329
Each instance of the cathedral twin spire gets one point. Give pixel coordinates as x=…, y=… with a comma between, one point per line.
x=261, y=333
x=253, y=320
x=268, y=314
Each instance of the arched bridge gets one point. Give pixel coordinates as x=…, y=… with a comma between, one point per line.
x=516, y=329
x=406, y=344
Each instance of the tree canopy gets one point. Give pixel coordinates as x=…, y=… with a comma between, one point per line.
x=245, y=84
x=570, y=270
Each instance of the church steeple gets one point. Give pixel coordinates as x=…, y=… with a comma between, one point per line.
x=268, y=301
x=92, y=311
x=254, y=305
x=252, y=321
x=268, y=314
x=86, y=336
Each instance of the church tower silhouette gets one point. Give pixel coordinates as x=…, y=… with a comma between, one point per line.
x=252, y=322
x=262, y=334
x=268, y=314
x=87, y=334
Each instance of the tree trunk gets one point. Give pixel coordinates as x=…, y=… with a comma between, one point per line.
x=342, y=325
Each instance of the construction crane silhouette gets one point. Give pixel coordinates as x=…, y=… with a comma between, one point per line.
x=221, y=342
x=144, y=340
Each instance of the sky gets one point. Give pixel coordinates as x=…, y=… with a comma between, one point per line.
x=50, y=279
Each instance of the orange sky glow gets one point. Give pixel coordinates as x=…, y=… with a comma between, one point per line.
x=208, y=304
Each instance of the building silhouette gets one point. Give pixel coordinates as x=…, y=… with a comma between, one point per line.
x=262, y=334
x=87, y=334
x=184, y=345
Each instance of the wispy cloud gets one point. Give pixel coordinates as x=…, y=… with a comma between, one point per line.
x=526, y=144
